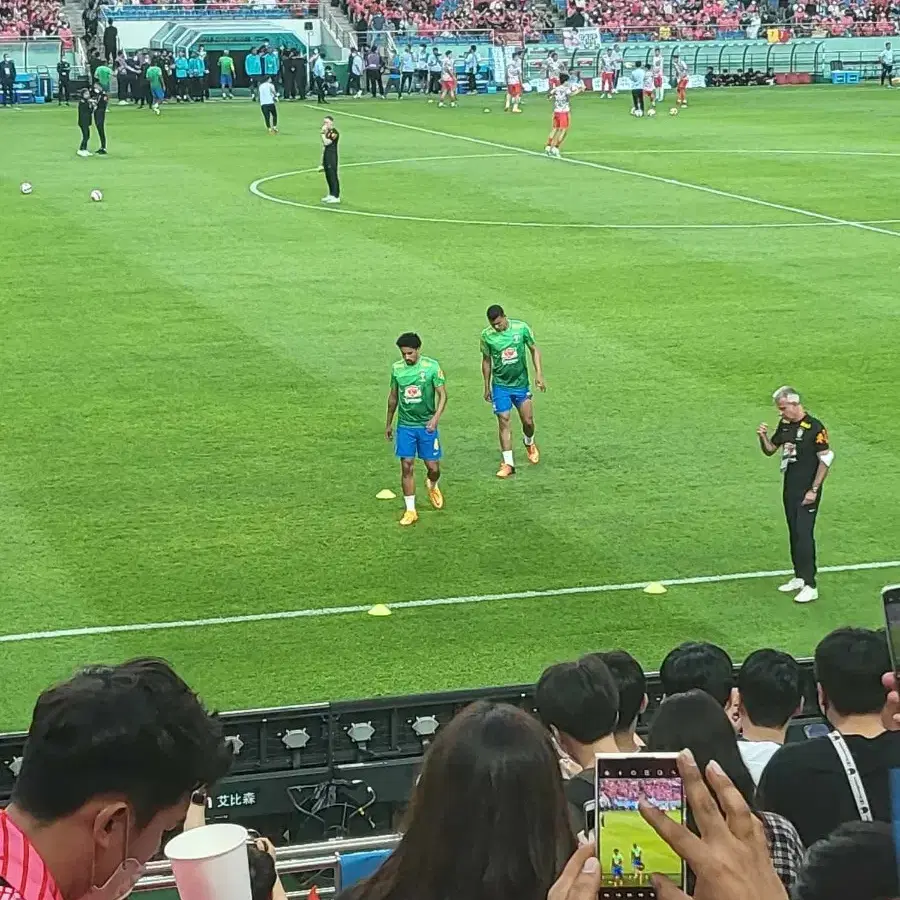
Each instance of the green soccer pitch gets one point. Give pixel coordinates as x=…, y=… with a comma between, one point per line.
x=194, y=380
x=622, y=828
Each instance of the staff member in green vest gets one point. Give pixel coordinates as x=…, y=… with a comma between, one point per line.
x=226, y=75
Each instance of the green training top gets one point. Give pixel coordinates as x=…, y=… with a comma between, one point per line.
x=226, y=65
x=506, y=351
x=103, y=74
x=154, y=76
x=416, y=386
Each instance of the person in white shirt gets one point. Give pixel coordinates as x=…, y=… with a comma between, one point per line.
x=514, y=82
x=656, y=67
x=682, y=75
x=470, y=65
x=637, y=90
x=608, y=70
x=267, y=101
x=887, y=64
x=559, y=97
x=770, y=685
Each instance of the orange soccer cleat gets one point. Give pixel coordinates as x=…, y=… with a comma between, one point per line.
x=435, y=495
x=410, y=517
x=533, y=454
x=506, y=471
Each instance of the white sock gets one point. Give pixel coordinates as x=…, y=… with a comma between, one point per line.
x=508, y=457
x=410, y=502
x=528, y=440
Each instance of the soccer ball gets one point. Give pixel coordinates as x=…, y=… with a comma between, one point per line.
x=96, y=196
x=486, y=110
x=651, y=112
x=673, y=111
x=639, y=113
x=25, y=187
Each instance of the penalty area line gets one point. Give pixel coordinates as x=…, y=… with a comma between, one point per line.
x=617, y=170
x=418, y=604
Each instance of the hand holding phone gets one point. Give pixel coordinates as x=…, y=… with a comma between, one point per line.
x=731, y=857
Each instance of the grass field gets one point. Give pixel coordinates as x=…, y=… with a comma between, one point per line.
x=624, y=828
x=193, y=384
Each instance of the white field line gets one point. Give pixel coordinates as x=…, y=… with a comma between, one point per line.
x=417, y=604
x=602, y=226
x=617, y=170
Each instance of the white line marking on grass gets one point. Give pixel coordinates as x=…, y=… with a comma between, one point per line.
x=746, y=152
x=629, y=172
x=417, y=604
x=603, y=226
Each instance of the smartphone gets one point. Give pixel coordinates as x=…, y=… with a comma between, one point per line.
x=629, y=850
x=890, y=598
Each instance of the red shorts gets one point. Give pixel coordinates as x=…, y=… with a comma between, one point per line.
x=648, y=92
x=554, y=82
x=607, y=81
x=448, y=84
x=657, y=81
x=514, y=90
x=560, y=120
x=682, y=84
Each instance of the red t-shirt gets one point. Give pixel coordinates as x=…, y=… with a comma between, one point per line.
x=23, y=875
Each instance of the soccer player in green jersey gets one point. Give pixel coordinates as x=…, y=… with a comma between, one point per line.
x=504, y=366
x=226, y=75
x=417, y=390
x=157, y=89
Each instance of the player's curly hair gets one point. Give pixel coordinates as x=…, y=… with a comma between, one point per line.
x=409, y=339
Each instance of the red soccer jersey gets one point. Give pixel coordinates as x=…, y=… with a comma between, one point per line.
x=23, y=875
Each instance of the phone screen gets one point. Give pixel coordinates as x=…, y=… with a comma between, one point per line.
x=890, y=598
x=629, y=850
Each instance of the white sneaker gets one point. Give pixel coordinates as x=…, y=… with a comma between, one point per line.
x=83, y=152
x=807, y=595
x=333, y=200
x=790, y=586
x=555, y=152
x=548, y=151
x=122, y=103
x=327, y=199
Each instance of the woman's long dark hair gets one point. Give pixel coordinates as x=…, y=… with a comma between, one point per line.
x=696, y=722
x=488, y=819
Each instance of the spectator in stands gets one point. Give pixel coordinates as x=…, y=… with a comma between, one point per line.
x=90, y=20
x=810, y=782
x=703, y=666
x=110, y=41
x=770, y=686
x=632, y=686
x=8, y=80
x=487, y=819
x=112, y=757
x=857, y=860
x=695, y=721
x=578, y=702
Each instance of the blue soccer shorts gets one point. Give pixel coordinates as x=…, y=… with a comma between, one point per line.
x=413, y=441
x=226, y=81
x=158, y=94
x=505, y=398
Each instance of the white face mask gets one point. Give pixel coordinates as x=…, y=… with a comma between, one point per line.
x=121, y=882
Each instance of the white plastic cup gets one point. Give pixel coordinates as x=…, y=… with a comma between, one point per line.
x=210, y=863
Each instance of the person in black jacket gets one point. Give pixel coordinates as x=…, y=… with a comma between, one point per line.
x=85, y=117
x=63, y=74
x=110, y=41
x=289, y=74
x=101, y=101
x=8, y=80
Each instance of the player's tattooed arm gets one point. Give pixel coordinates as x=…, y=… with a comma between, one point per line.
x=391, y=409
x=538, y=362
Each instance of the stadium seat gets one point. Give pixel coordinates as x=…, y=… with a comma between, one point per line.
x=357, y=866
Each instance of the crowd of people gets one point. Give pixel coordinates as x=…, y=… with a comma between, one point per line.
x=711, y=19
x=116, y=755
x=33, y=19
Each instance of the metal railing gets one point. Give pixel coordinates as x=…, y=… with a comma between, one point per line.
x=292, y=10
x=292, y=860
x=340, y=31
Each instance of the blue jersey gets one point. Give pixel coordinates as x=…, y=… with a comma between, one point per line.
x=196, y=66
x=253, y=64
x=182, y=67
x=271, y=63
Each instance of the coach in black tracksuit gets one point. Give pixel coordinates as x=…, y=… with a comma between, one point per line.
x=806, y=458
x=330, y=138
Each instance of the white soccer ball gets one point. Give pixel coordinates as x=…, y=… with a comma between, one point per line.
x=486, y=110
x=96, y=195
x=651, y=112
x=673, y=111
x=25, y=187
x=639, y=113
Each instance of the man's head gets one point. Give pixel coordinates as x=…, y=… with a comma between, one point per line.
x=849, y=664
x=770, y=684
x=675, y=55
x=578, y=702
x=787, y=402
x=497, y=318
x=226, y=52
x=887, y=45
x=856, y=860
x=85, y=93
x=112, y=757
x=554, y=55
x=5, y=57
x=327, y=125
x=637, y=64
x=253, y=51
x=448, y=54
x=410, y=344
x=564, y=77
x=631, y=684
x=703, y=666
